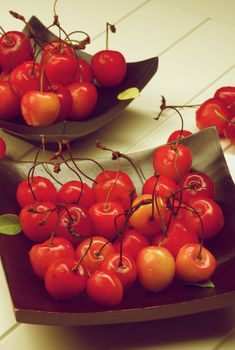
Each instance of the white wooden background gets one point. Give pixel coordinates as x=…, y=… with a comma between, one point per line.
x=194, y=40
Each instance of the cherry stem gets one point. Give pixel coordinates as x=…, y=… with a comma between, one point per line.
x=113, y=30
x=131, y=161
x=174, y=107
x=75, y=268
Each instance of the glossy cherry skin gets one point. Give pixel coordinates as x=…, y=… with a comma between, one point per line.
x=76, y=192
x=15, y=48
x=165, y=186
x=2, y=148
x=132, y=242
x=146, y=220
x=124, y=268
x=40, y=108
x=178, y=134
x=41, y=255
x=65, y=99
x=56, y=46
x=74, y=224
x=109, y=67
x=211, y=216
x=84, y=96
x=42, y=188
x=172, y=161
x=84, y=72
x=10, y=102
x=155, y=268
x=39, y=225
x=105, y=288
x=25, y=77
x=226, y=94
x=212, y=112
x=93, y=251
x=177, y=236
x=196, y=184
x=59, y=68
x=64, y=279
x=120, y=185
x=108, y=218
x=191, y=268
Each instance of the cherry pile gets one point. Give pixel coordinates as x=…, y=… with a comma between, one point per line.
x=47, y=83
x=102, y=236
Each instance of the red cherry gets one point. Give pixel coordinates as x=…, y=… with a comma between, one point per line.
x=177, y=236
x=109, y=67
x=229, y=130
x=74, y=224
x=56, y=46
x=65, y=279
x=226, y=94
x=84, y=97
x=172, y=161
x=37, y=186
x=120, y=185
x=70, y=193
x=65, y=99
x=132, y=242
x=124, y=268
x=84, y=72
x=93, y=251
x=107, y=218
x=15, y=48
x=105, y=288
x=41, y=255
x=196, y=184
x=25, y=77
x=165, y=186
x=40, y=108
x=38, y=220
x=10, y=102
x=212, y=112
x=2, y=148
x=211, y=216
x=178, y=134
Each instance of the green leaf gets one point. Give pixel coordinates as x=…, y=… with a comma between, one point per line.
x=9, y=224
x=207, y=284
x=128, y=94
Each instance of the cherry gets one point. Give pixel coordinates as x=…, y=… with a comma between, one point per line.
x=65, y=99
x=164, y=186
x=84, y=72
x=65, y=279
x=155, y=268
x=74, y=223
x=178, y=134
x=2, y=148
x=226, y=94
x=75, y=191
x=117, y=184
x=10, y=102
x=195, y=263
x=105, y=288
x=196, y=184
x=15, y=48
x=229, y=130
x=36, y=188
x=205, y=212
x=41, y=255
x=172, y=161
x=131, y=243
x=212, y=112
x=38, y=220
x=25, y=77
x=84, y=96
x=124, y=267
x=108, y=218
x=178, y=234
x=40, y=108
x=93, y=251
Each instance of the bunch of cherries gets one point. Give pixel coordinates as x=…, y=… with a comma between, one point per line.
x=47, y=83
x=102, y=236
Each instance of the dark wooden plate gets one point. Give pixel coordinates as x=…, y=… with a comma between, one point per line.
x=31, y=302
x=108, y=106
